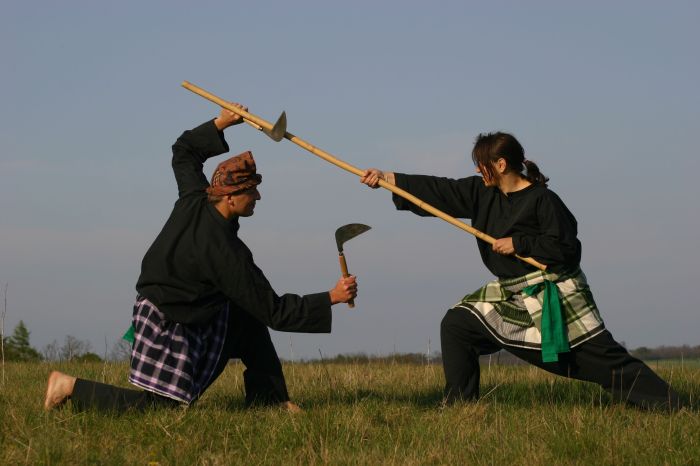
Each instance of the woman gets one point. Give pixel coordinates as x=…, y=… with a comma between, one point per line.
x=547, y=318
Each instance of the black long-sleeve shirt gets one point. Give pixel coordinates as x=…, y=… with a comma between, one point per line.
x=198, y=262
x=541, y=226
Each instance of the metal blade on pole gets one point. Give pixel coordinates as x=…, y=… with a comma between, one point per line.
x=276, y=132
x=354, y=170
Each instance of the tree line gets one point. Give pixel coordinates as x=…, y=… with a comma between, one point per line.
x=504, y=357
x=17, y=347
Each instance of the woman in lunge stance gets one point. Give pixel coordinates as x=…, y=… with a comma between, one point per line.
x=548, y=318
x=201, y=298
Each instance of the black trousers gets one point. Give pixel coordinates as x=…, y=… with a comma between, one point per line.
x=247, y=339
x=600, y=360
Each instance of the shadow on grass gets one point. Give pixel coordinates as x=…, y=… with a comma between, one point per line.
x=565, y=394
x=433, y=399
x=515, y=395
x=518, y=395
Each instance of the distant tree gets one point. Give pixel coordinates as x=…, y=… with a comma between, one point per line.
x=17, y=347
x=121, y=351
x=73, y=348
x=51, y=352
x=2, y=334
x=88, y=357
x=667, y=352
x=642, y=352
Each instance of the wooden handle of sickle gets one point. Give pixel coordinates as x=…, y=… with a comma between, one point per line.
x=344, y=269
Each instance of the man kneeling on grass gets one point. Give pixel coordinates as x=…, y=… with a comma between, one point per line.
x=201, y=298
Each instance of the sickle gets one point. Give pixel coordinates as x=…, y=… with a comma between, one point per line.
x=343, y=234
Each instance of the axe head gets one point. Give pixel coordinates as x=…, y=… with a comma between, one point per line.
x=279, y=129
x=348, y=232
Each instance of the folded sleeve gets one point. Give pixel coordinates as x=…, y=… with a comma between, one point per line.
x=457, y=198
x=190, y=151
x=247, y=288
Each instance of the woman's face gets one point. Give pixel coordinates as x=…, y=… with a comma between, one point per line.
x=492, y=177
x=488, y=179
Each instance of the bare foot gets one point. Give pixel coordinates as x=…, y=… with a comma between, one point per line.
x=291, y=407
x=58, y=389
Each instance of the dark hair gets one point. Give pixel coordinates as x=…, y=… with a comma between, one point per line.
x=489, y=147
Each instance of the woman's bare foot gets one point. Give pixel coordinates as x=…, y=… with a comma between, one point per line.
x=58, y=389
x=291, y=407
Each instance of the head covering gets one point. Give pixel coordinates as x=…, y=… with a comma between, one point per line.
x=234, y=175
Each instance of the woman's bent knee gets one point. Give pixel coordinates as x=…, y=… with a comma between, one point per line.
x=452, y=321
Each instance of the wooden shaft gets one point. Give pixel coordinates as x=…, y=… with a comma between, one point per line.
x=254, y=121
x=254, y=125
x=344, y=270
x=346, y=166
x=451, y=220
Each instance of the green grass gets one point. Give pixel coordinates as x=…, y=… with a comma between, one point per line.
x=376, y=413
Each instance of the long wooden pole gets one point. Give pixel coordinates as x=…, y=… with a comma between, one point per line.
x=346, y=166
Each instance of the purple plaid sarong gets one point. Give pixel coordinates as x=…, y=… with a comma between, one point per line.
x=171, y=359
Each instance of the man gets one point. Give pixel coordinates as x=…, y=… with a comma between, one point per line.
x=201, y=298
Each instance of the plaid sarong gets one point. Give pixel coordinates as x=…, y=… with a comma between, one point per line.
x=515, y=319
x=172, y=359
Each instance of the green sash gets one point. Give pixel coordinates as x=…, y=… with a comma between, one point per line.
x=129, y=335
x=553, y=328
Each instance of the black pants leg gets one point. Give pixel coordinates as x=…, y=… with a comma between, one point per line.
x=102, y=397
x=600, y=360
x=462, y=342
x=246, y=339
x=604, y=361
x=249, y=340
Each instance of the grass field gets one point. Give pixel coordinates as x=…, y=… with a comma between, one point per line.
x=376, y=413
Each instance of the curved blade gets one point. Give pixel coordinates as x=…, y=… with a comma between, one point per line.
x=348, y=232
x=279, y=129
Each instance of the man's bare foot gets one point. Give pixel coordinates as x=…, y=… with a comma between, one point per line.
x=291, y=407
x=58, y=389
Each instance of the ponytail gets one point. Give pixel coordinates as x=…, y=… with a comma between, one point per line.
x=533, y=173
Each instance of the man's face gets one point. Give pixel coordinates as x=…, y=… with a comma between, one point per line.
x=243, y=203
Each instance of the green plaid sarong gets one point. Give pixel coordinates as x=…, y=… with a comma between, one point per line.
x=515, y=318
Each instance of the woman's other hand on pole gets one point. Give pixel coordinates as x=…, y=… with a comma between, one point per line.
x=504, y=246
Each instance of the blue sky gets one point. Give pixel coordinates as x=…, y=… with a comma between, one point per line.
x=603, y=95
